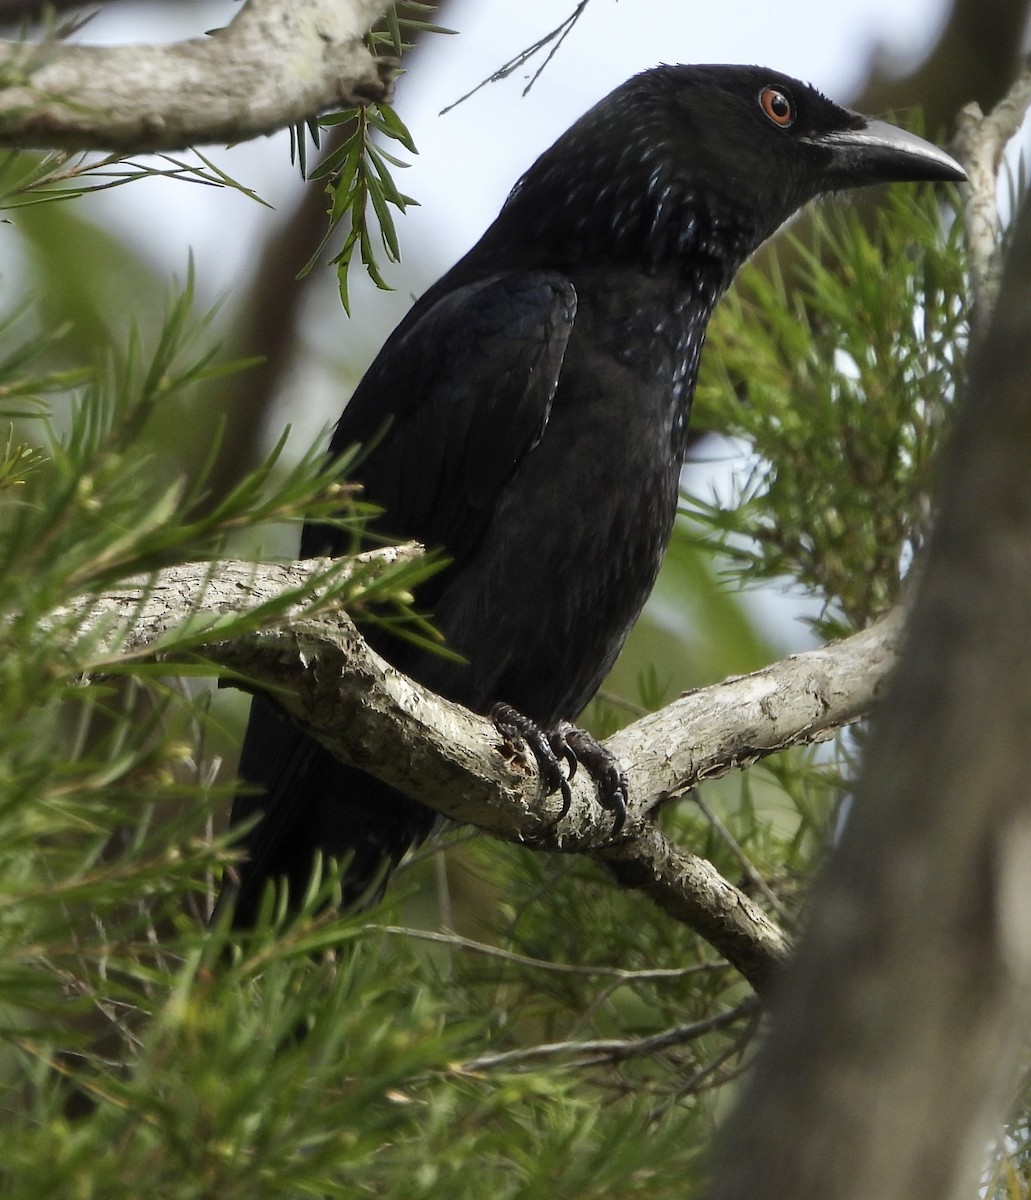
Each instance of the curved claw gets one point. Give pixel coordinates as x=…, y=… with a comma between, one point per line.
x=520, y=730
x=560, y=745
x=567, y=744
x=604, y=768
x=567, y=798
x=613, y=795
x=564, y=752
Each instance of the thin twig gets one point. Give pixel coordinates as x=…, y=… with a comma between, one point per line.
x=558, y=35
x=619, y=974
x=694, y=1080
x=753, y=876
x=607, y=1051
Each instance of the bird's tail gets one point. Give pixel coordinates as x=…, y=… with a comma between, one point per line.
x=309, y=803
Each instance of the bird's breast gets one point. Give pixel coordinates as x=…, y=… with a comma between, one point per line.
x=580, y=531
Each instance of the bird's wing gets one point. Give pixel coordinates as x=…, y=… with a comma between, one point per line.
x=457, y=396
x=312, y=803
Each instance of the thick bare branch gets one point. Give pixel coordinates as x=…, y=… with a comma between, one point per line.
x=802, y=699
x=369, y=715
x=692, y=891
x=328, y=679
x=276, y=63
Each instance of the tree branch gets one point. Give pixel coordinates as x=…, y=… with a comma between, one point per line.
x=613, y=1050
x=276, y=63
x=329, y=680
x=980, y=143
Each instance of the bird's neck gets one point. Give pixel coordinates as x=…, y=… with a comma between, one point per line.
x=644, y=213
x=652, y=326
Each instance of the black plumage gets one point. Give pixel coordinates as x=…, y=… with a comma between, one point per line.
x=536, y=402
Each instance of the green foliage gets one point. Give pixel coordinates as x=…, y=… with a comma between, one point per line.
x=105, y=791
x=841, y=387
x=396, y=32
x=362, y=189
x=27, y=179
x=1008, y=1176
x=358, y=173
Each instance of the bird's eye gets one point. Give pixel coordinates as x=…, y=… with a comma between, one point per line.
x=777, y=105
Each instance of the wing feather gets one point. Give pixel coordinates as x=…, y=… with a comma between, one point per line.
x=457, y=397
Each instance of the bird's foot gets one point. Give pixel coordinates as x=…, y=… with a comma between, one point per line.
x=520, y=731
x=565, y=743
x=602, y=766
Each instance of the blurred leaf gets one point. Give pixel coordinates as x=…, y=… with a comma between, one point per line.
x=82, y=276
x=359, y=179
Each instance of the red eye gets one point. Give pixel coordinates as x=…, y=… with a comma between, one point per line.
x=777, y=105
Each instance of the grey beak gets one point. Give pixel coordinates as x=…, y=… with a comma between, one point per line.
x=881, y=153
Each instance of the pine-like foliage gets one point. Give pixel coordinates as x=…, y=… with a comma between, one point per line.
x=840, y=388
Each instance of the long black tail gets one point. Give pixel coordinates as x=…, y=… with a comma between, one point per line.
x=310, y=802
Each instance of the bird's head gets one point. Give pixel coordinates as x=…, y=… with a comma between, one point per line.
x=708, y=160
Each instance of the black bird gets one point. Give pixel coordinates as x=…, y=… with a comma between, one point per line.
x=536, y=402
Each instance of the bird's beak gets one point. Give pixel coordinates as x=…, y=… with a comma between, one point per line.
x=882, y=153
